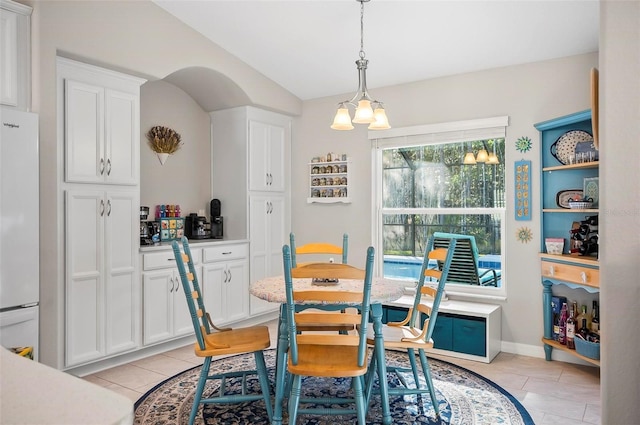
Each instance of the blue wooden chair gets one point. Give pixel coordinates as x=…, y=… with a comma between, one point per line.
x=327, y=355
x=416, y=330
x=318, y=248
x=464, y=265
x=213, y=341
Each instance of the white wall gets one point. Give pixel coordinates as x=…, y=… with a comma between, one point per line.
x=527, y=94
x=620, y=210
x=185, y=178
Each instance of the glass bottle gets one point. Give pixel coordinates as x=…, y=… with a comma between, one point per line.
x=595, y=319
x=562, y=335
x=584, y=329
x=571, y=329
x=583, y=315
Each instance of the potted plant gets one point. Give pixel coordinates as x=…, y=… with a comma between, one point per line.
x=164, y=141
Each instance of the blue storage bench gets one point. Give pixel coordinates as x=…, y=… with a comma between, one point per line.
x=463, y=329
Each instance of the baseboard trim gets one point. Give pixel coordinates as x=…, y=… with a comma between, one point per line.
x=538, y=351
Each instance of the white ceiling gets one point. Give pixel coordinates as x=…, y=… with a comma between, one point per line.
x=309, y=47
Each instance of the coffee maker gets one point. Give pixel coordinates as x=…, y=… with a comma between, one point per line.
x=216, y=219
x=197, y=227
x=149, y=230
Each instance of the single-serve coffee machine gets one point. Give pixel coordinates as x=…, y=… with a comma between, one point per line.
x=197, y=227
x=216, y=219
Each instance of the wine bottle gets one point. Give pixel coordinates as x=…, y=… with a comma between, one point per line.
x=583, y=315
x=584, y=329
x=562, y=335
x=595, y=319
x=571, y=329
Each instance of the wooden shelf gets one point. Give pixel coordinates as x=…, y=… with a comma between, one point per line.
x=569, y=210
x=571, y=258
x=556, y=345
x=583, y=166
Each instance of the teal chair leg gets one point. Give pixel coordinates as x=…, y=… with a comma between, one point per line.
x=359, y=397
x=427, y=376
x=294, y=399
x=199, y=389
x=414, y=366
x=370, y=378
x=264, y=382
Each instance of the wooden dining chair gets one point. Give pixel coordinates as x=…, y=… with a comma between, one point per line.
x=213, y=341
x=318, y=248
x=416, y=330
x=327, y=355
x=324, y=249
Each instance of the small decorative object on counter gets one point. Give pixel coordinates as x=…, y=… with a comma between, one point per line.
x=554, y=245
x=171, y=228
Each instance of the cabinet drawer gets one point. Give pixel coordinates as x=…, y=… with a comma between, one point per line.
x=570, y=273
x=225, y=252
x=165, y=259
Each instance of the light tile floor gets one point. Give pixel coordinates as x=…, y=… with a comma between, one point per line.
x=552, y=392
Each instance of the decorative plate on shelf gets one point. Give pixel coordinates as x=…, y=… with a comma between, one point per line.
x=564, y=196
x=564, y=148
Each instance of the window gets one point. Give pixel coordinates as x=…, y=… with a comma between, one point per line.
x=423, y=186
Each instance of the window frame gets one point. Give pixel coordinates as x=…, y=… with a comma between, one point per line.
x=432, y=134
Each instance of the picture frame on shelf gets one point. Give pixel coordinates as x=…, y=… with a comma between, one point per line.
x=591, y=189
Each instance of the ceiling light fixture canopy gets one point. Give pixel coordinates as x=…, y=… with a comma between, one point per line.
x=368, y=110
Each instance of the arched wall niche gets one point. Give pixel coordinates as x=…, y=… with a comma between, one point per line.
x=211, y=89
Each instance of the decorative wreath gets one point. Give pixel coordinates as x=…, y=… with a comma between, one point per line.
x=163, y=139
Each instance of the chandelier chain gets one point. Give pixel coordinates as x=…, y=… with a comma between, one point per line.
x=362, y=54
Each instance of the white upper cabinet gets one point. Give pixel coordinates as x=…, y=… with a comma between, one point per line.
x=102, y=137
x=15, y=54
x=266, y=157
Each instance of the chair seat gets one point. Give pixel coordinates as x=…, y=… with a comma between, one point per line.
x=327, y=361
x=235, y=341
x=393, y=337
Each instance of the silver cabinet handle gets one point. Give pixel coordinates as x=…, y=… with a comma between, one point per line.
x=102, y=208
x=101, y=166
x=172, y=285
x=108, y=167
x=230, y=277
x=108, y=207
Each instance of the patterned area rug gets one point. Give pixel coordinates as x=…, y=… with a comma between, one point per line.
x=464, y=397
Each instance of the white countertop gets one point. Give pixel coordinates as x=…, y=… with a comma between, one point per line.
x=192, y=243
x=32, y=393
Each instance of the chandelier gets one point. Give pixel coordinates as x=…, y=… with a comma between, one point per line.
x=483, y=156
x=367, y=110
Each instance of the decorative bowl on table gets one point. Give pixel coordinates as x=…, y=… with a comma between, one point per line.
x=581, y=204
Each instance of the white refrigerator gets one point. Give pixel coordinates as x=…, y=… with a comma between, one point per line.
x=19, y=230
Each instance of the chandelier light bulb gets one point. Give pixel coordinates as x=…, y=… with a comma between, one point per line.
x=364, y=112
x=381, y=122
x=469, y=159
x=342, y=120
x=482, y=156
x=493, y=159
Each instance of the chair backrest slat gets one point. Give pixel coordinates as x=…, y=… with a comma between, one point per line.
x=318, y=248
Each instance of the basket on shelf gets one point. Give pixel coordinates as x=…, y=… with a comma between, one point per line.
x=580, y=205
x=588, y=348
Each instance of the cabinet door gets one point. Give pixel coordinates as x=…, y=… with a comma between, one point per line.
x=237, y=288
x=182, y=323
x=9, y=58
x=121, y=271
x=276, y=158
x=259, y=173
x=121, y=134
x=214, y=283
x=84, y=132
x=84, y=276
x=158, y=290
x=277, y=236
x=259, y=250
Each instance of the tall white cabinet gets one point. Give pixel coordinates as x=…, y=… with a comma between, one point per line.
x=251, y=153
x=100, y=136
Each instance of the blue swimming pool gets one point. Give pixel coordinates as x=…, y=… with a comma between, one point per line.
x=402, y=267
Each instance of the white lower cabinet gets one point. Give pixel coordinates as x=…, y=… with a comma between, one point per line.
x=164, y=305
x=267, y=229
x=102, y=280
x=225, y=282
